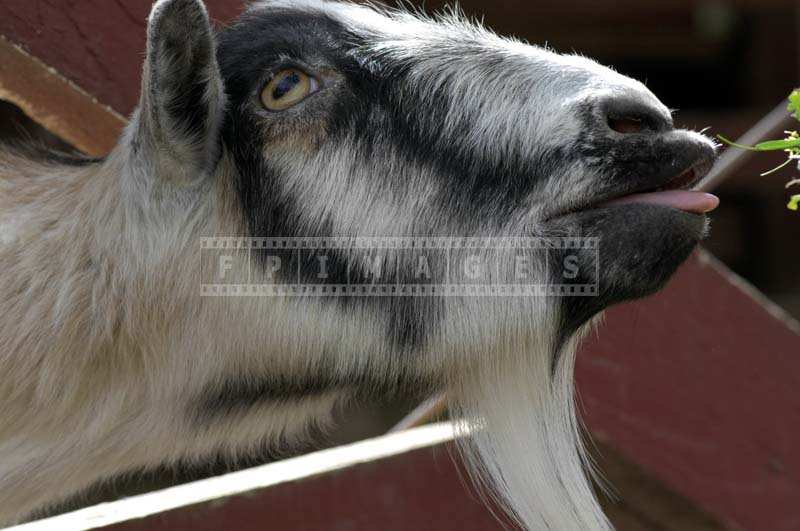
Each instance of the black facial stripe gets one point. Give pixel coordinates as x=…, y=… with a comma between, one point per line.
x=473, y=188
x=267, y=211
x=411, y=319
x=245, y=52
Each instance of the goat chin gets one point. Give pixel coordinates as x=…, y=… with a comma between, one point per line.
x=520, y=437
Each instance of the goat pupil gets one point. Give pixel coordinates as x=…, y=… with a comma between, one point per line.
x=286, y=85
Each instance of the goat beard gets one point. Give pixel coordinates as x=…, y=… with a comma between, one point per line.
x=520, y=436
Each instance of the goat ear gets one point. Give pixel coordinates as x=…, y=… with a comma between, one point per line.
x=183, y=98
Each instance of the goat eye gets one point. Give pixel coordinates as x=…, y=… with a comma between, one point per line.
x=288, y=88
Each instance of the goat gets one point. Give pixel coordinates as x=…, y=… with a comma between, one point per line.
x=313, y=119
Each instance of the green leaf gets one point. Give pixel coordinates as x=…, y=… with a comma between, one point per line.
x=777, y=145
x=769, y=145
x=794, y=104
x=734, y=144
x=794, y=202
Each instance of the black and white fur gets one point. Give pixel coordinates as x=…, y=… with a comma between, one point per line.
x=111, y=360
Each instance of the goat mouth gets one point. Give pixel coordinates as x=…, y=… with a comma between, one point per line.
x=675, y=193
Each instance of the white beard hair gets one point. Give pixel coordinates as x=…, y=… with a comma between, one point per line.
x=520, y=436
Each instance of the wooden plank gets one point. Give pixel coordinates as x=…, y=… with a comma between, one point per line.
x=407, y=480
x=393, y=483
x=699, y=386
x=55, y=103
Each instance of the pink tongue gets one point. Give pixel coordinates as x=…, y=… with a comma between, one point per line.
x=689, y=201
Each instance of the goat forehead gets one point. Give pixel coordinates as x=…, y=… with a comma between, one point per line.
x=382, y=29
x=399, y=26
x=381, y=40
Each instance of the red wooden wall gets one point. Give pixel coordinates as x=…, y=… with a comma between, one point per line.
x=98, y=44
x=700, y=385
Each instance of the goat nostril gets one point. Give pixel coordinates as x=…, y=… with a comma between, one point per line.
x=627, y=126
